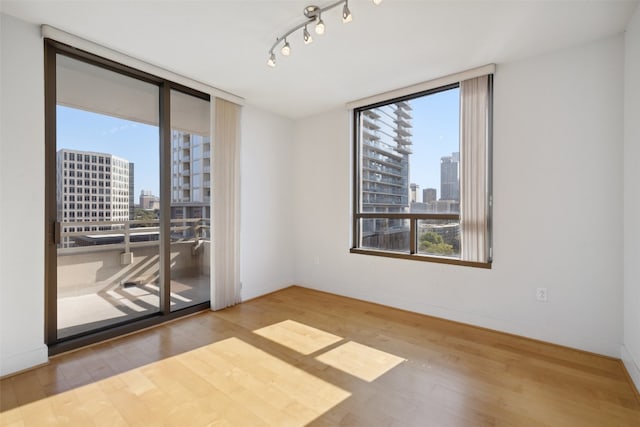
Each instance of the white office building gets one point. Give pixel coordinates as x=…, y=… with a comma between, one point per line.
x=92, y=187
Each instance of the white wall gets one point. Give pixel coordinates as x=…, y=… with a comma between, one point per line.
x=631, y=347
x=22, y=201
x=558, y=192
x=266, y=232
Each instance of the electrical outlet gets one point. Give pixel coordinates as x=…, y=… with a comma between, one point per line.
x=541, y=294
x=316, y=260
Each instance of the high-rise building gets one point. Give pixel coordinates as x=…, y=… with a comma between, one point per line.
x=92, y=187
x=414, y=193
x=450, y=177
x=386, y=146
x=190, y=175
x=429, y=195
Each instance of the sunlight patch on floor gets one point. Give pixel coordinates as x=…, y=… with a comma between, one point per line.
x=230, y=382
x=359, y=360
x=297, y=336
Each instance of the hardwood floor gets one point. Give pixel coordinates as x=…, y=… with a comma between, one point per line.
x=300, y=357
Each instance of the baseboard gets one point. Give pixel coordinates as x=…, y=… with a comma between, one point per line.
x=632, y=367
x=477, y=320
x=16, y=363
x=263, y=292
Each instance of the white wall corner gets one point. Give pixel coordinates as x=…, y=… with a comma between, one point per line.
x=632, y=365
x=21, y=361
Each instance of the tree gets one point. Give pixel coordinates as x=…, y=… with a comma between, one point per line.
x=140, y=214
x=432, y=243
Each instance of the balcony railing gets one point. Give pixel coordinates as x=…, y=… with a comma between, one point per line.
x=126, y=235
x=113, y=275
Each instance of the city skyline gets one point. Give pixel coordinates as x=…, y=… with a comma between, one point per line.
x=436, y=122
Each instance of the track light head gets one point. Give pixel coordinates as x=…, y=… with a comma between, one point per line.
x=346, y=13
x=286, y=48
x=320, y=26
x=306, y=36
x=272, y=60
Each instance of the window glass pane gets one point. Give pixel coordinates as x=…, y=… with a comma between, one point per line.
x=410, y=155
x=385, y=147
x=385, y=234
x=439, y=238
x=107, y=262
x=435, y=160
x=190, y=211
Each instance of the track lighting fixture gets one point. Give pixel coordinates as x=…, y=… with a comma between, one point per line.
x=346, y=13
x=320, y=26
x=286, y=49
x=312, y=14
x=306, y=36
x=272, y=60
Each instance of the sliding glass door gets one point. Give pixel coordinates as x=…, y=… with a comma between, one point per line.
x=128, y=198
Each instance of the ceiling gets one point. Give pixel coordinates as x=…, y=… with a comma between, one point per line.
x=401, y=42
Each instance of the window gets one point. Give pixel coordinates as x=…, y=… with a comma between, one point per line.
x=422, y=175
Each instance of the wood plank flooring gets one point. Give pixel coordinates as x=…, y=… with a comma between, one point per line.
x=300, y=357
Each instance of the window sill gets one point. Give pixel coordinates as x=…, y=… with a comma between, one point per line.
x=417, y=257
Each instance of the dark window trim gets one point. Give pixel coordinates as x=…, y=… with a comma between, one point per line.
x=420, y=257
x=57, y=345
x=120, y=329
x=412, y=217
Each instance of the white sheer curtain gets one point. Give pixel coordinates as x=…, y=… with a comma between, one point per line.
x=474, y=135
x=226, y=205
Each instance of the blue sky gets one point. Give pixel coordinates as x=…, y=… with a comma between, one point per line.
x=133, y=141
x=435, y=135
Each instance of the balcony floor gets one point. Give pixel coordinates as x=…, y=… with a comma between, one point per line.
x=106, y=307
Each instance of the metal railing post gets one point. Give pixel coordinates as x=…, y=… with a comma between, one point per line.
x=127, y=246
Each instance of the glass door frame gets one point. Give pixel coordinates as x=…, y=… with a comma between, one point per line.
x=52, y=229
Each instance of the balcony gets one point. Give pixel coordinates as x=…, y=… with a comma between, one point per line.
x=402, y=140
x=369, y=135
x=110, y=276
x=403, y=150
x=403, y=132
x=367, y=123
x=371, y=113
x=404, y=105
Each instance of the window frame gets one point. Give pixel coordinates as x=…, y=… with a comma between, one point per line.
x=412, y=217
